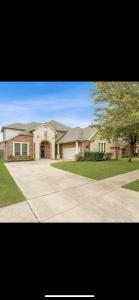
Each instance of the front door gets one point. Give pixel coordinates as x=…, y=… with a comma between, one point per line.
x=42, y=151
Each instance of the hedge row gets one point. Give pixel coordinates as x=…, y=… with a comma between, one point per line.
x=90, y=156
x=93, y=156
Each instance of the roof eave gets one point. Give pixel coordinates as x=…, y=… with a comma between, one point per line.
x=6, y=127
x=76, y=140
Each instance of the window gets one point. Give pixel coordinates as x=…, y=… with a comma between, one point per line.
x=17, y=149
x=45, y=132
x=102, y=147
x=20, y=149
x=24, y=149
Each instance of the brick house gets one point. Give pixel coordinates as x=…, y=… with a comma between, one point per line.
x=51, y=140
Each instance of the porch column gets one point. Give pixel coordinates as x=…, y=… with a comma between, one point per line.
x=76, y=147
x=58, y=154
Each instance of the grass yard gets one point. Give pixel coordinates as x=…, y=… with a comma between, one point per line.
x=134, y=186
x=98, y=170
x=9, y=191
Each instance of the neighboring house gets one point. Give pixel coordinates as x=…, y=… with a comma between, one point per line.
x=51, y=140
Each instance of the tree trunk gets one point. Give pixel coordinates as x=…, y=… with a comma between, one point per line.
x=130, y=153
x=117, y=154
x=133, y=149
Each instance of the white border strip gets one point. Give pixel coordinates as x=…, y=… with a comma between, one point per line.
x=69, y=296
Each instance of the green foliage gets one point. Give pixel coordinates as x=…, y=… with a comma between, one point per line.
x=79, y=157
x=117, y=111
x=93, y=156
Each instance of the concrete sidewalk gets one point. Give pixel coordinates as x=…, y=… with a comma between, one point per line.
x=54, y=195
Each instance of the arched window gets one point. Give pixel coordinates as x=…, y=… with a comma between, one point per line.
x=45, y=132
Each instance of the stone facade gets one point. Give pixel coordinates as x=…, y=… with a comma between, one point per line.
x=39, y=136
x=94, y=145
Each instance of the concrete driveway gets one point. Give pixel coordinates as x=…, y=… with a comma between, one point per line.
x=54, y=195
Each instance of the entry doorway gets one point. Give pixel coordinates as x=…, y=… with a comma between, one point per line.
x=45, y=150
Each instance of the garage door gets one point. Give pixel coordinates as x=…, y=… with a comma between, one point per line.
x=69, y=153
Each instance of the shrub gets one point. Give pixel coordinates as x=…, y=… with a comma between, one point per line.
x=82, y=158
x=79, y=157
x=19, y=158
x=93, y=156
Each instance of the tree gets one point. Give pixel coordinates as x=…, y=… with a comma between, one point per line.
x=117, y=111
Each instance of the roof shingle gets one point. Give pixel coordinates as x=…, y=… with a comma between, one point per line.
x=58, y=126
x=77, y=134
x=31, y=126
x=22, y=126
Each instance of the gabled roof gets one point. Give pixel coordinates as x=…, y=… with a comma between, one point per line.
x=58, y=126
x=31, y=126
x=89, y=132
x=22, y=126
x=78, y=134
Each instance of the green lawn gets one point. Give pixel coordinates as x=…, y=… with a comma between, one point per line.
x=134, y=186
x=9, y=191
x=98, y=170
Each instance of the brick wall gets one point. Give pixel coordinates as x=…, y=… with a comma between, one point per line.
x=21, y=139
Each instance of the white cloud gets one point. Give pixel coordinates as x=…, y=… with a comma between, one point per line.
x=71, y=122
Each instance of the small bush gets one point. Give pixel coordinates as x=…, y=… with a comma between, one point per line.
x=79, y=157
x=82, y=158
x=93, y=156
x=19, y=158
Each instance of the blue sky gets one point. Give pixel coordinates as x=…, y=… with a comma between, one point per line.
x=66, y=102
